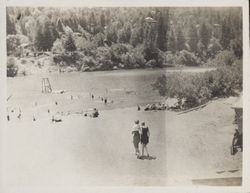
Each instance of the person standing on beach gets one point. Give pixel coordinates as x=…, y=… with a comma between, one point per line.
x=20, y=114
x=144, y=138
x=136, y=137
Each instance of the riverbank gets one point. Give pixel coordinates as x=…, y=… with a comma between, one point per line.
x=44, y=64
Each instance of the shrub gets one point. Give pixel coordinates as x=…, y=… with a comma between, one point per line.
x=224, y=81
x=170, y=59
x=151, y=63
x=187, y=59
x=150, y=53
x=198, y=88
x=68, y=59
x=139, y=58
x=98, y=39
x=237, y=48
x=23, y=61
x=116, y=52
x=161, y=59
x=135, y=57
x=89, y=62
x=22, y=70
x=103, y=58
x=214, y=47
x=128, y=60
x=224, y=58
x=58, y=47
x=13, y=42
x=88, y=47
x=12, y=68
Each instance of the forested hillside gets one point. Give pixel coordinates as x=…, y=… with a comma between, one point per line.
x=114, y=38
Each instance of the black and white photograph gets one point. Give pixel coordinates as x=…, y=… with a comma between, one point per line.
x=123, y=96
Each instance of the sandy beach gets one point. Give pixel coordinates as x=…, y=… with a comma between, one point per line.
x=84, y=151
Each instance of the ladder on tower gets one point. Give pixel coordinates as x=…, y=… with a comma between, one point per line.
x=46, y=87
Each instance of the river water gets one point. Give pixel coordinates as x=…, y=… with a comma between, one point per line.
x=122, y=88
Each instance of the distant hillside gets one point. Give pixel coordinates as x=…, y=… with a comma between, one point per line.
x=112, y=38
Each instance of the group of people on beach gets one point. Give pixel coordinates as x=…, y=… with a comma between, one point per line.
x=141, y=135
x=103, y=99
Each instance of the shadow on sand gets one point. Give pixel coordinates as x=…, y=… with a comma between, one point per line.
x=146, y=157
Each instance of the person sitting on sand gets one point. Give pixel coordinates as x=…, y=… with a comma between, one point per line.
x=136, y=137
x=95, y=112
x=56, y=118
x=144, y=138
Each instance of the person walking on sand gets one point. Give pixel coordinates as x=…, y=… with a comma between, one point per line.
x=136, y=137
x=144, y=138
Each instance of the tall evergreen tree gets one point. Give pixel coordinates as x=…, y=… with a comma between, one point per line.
x=92, y=23
x=83, y=21
x=135, y=37
x=102, y=20
x=162, y=31
x=201, y=49
x=124, y=34
x=39, y=37
x=111, y=33
x=11, y=29
x=180, y=40
x=70, y=43
x=60, y=25
x=236, y=46
x=149, y=41
x=171, y=42
x=204, y=35
x=150, y=35
x=45, y=36
x=225, y=34
x=193, y=38
x=48, y=37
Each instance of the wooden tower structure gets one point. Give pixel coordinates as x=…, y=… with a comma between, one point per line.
x=46, y=86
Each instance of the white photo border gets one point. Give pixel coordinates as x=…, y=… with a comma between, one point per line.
x=131, y=3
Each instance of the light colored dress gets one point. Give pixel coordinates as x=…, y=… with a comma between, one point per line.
x=136, y=135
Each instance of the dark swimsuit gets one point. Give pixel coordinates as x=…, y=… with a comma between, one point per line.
x=144, y=135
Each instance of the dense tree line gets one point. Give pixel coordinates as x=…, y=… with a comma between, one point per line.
x=126, y=37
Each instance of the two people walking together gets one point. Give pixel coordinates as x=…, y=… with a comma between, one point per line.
x=140, y=135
